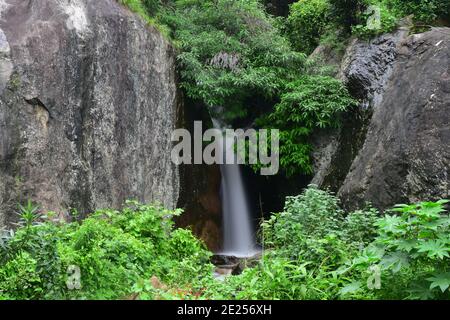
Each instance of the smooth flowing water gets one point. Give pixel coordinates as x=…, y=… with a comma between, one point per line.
x=238, y=231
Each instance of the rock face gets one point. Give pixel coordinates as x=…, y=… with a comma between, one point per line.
x=404, y=153
x=200, y=188
x=365, y=68
x=88, y=102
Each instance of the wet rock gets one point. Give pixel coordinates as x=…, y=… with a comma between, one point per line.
x=365, y=68
x=224, y=260
x=234, y=265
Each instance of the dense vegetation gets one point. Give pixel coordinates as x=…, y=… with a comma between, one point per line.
x=231, y=52
x=115, y=251
x=314, y=250
x=234, y=52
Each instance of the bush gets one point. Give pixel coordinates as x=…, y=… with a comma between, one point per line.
x=412, y=250
x=314, y=228
x=423, y=11
x=391, y=11
x=346, y=12
x=307, y=22
x=113, y=250
x=388, y=21
x=19, y=278
x=230, y=51
x=314, y=250
x=308, y=104
x=305, y=245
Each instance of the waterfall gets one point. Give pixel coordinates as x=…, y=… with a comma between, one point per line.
x=238, y=232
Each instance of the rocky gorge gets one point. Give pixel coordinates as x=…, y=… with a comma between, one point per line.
x=89, y=98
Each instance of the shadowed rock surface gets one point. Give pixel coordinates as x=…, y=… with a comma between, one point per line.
x=88, y=101
x=404, y=150
x=200, y=187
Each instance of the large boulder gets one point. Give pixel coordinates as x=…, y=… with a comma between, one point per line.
x=88, y=101
x=404, y=155
x=365, y=68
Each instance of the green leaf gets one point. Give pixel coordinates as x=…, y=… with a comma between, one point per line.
x=434, y=248
x=420, y=291
x=441, y=280
x=406, y=245
x=390, y=224
x=430, y=210
x=395, y=261
x=351, y=288
x=404, y=208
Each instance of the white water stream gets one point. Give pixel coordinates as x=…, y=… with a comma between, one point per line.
x=239, y=239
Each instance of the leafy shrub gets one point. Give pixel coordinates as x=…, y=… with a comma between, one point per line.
x=307, y=22
x=308, y=104
x=413, y=252
x=388, y=21
x=19, y=278
x=305, y=245
x=230, y=51
x=346, y=12
x=148, y=10
x=423, y=11
x=313, y=227
x=114, y=250
x=391, y=11
x=38, y=242
x=316, y=251
x=152, y=6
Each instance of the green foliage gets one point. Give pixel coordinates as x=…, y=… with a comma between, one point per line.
x=147, y=10
x=392, y=11
x=230, y=51
x=308, y=104
x=313, y=227
x=353, y=16
x=307, y=22
x=346, y=12
x=114, y=250
x=316, y=251
x=413, y=252
x=141, y=7
x=152, y=6
x=424, y=11
x=305, y=245
x=388, y=21
x=19, y=278
x=28, y=214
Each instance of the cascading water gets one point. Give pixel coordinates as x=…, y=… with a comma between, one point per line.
x=239, y=239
